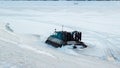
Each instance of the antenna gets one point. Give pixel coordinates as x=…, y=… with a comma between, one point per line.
x=62, y=27
x=55, y=30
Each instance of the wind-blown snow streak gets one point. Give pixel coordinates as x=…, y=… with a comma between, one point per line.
x=36, y=50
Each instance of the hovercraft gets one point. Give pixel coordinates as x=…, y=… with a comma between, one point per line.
x=64, y=38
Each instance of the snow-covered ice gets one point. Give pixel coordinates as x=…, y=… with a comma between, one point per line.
x=32, y=22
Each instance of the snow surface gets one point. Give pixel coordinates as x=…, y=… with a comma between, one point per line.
x=32, y=22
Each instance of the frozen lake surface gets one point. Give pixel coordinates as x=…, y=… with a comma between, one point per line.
x=33, y=22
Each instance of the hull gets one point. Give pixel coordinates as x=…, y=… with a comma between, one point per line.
x=59, y=43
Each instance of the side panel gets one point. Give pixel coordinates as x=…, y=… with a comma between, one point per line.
x=55, y=42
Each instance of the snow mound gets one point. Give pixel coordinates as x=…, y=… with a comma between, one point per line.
x=6, y=35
